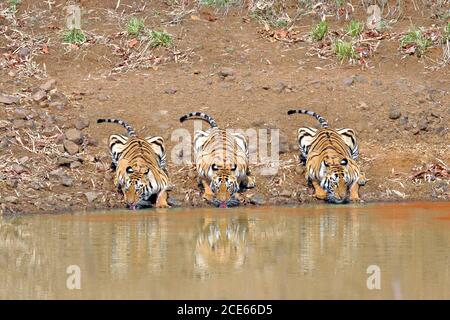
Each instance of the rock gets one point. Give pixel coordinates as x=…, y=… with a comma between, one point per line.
x=174, y=202
x=363, y=106
x=91, y=196
x=17, y=168
x=35, y=185
x=12, y=183
x=8, y=99
x=23, y=53
x=82, y=123
x=226, y=72
x=64, y=161
x=11, y=199
x=39, y=95
x=280, y=86
x=74, y=135
x=75, y=164
x=248, y=87
x=360, y=79
x=102, y=97
x=19, y=123
x=92, y=142
x=404, y=121
x=394, y=113
x=258, y=199
x=66, y=181
x=423, y=124
x=49, y=85
x=70, y=147
x=2, y=177
x=285, y=193
x=170, y=90
x=348, y=81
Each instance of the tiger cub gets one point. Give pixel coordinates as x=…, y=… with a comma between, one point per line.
x=221, y=160
x=140, y=166
x=330, y=157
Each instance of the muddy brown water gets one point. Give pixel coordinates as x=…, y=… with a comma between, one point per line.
x=303, y=252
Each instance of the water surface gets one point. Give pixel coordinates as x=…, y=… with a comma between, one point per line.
x=308, y=252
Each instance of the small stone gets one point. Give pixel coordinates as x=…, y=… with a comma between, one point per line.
x=17, y=168
x=248, y=87
x=394, y=113
x=74, y=135
x=82, y=123
x=258, y=199
x=226, y=72
x=360, y=79
x=49, y=85
x=75, y=164
x=280, y=86
x=23, y=53
x=170, y=91
x=70, y=147
x=348, y=81
x=423, y=124
x=11, y=199
x=266, y=87
x=102, y=97
x=19, y=123
x=64, y=161
x=174, y=202
x=404, y=121
x=285, y=193
x=8, y=99
x=66, y=181
x=39, y=95
x=91, y=196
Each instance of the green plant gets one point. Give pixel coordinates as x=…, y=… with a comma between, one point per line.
x=355, y=28
x=344, y=50
x=217, y=3
x=416, y=38
x=74, y=36
x=135, y=26
x=446, y=33
x=319, y=31
x=160, y=39
x=13, y=4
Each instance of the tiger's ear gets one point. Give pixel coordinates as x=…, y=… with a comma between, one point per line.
x=325, y=163
x=344, y=162
x=214, y=167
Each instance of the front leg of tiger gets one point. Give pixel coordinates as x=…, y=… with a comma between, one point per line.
x=208, y=194
x=319, y=193
x=354, y=192
x=161, y=200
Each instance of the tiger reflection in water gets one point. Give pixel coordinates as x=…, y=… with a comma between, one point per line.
x=221, y=245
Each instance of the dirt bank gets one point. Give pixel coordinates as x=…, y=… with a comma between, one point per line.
x=53, y=155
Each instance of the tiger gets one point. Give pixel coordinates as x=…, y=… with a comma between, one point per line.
x=330, y=156
x=140, y=166
x=221, y=161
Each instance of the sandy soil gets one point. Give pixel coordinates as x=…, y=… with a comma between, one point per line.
x=398, y=105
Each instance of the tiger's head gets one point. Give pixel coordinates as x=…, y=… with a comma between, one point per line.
x=224, y=184
x=334, y=173
x=133, y=180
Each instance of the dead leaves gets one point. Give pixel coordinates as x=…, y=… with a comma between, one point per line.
x=431, y=171
x=288, y=36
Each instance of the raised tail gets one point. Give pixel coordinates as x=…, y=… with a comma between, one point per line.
x=129, y=128
x=200, y=115
x=319, y=118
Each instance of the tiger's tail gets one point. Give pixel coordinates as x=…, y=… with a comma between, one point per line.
x=129, y=128
x=319, y=118
x=202, y=116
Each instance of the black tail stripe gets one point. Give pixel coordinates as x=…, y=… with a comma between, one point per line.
x=200, y=115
